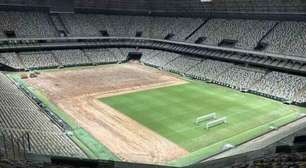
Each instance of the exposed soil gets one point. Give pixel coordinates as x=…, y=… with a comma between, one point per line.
x=76, y=92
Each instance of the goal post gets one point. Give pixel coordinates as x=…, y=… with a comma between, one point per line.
x=216, y=122
x=205, y=118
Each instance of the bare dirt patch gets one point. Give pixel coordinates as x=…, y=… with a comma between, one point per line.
x=76, y=92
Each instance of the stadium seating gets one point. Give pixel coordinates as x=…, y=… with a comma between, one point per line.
x=124, y=26
x=121, y=54
x=148, y=54
x=274, y=84
x=302, y=97
x=208, y=69
x=100, y=56
x=281, y=85
x=240, y=77
x=26, y=24
x=161, y=59
x=246, y=32
x=182, y=64
x=71, y=57
x=278, y=160
x=56, y=58
x=19, y=115
x=38, y=60
x=11, y=59
x=286, y=38
x=282, y=37
x=58, y=24
x=85, y=25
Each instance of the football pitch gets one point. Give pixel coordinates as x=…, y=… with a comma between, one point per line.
x=172, y=111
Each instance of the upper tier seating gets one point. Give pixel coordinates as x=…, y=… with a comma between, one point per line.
x=287, y=38
x=86, y=25
x=281, y=37
x=127, y=26
x=246, y=32
x=26, y=24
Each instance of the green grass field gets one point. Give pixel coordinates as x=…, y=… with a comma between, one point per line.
x=171, y=112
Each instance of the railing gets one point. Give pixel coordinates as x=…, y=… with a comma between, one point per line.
x=138, y=42
x=227, y=54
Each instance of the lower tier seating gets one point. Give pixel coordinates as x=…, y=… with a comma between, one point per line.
x=20, y=116
x=278, y=85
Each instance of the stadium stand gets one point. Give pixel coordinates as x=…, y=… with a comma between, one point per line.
x=121, y=53
x=19, y=115
x=182, y=64
x=283, y=38
x=240, y=77
x=11, y=59
x=100, y=56
x=291, y=155
x=26, y=24
x=71, y=57
x=161, y=59
x=122, y=26
x=59, y=25
x=247, y=33
x=148, y=54
x=38, y=60
x=208, y=30
x=208, y=69
x=275, y=84
x=301, y=98
x=128, y=26
x=254, y=56
x=276, y=160
x=297, y=46
x=281, y=85
x=62, y=162
x=180, y=28
x=85, y=25
x=56, y=58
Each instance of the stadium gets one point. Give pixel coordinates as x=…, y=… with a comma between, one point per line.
x=152, y=83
